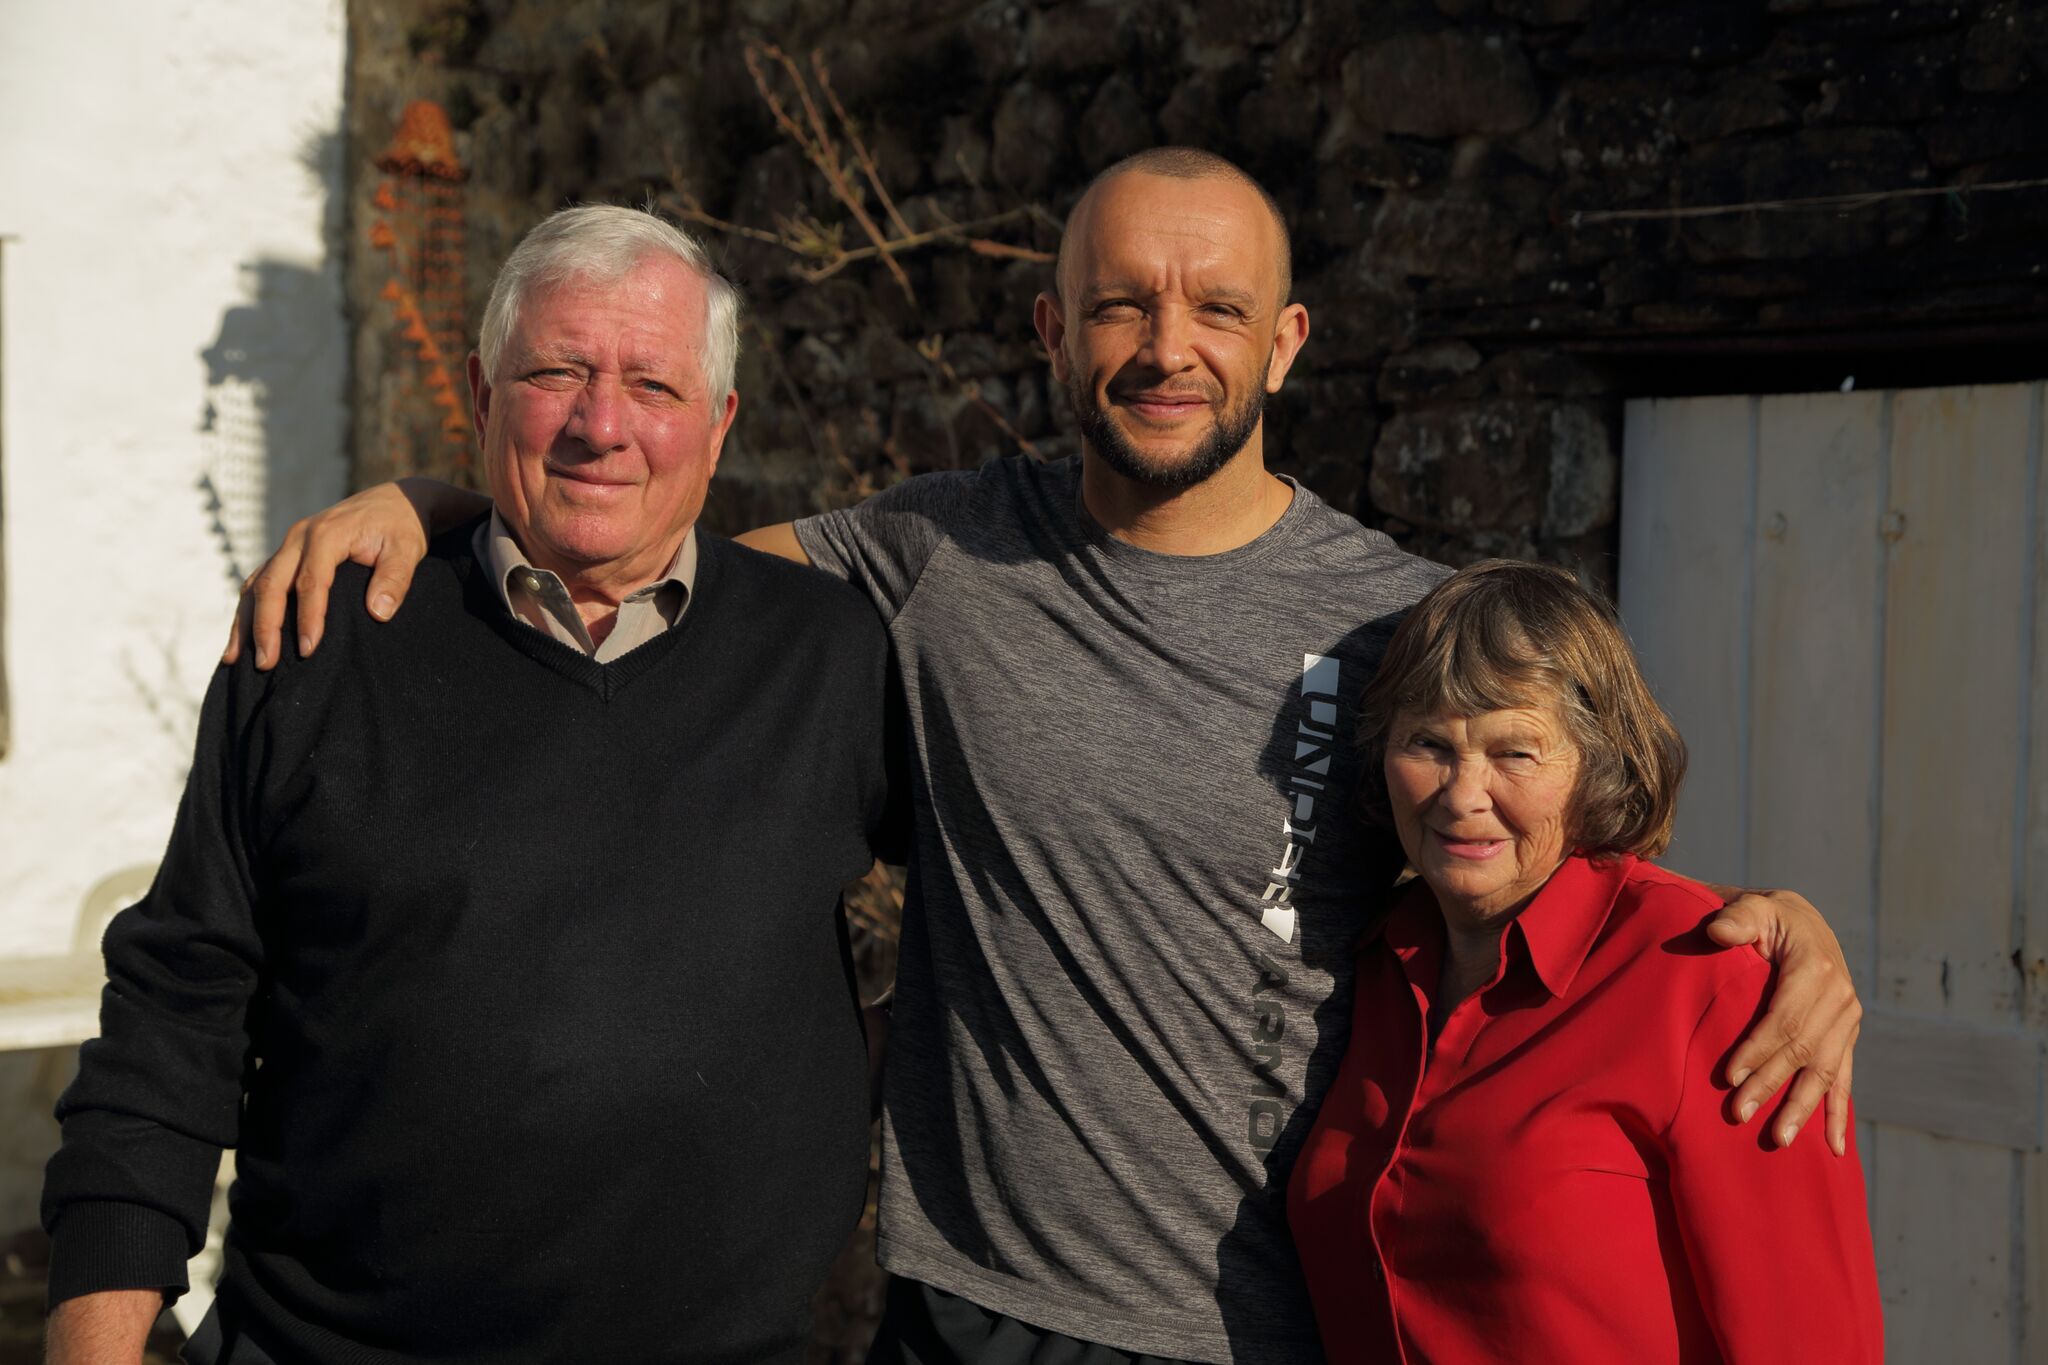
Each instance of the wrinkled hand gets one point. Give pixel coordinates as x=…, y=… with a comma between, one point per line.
x=1808, y=1036
x=379, y=527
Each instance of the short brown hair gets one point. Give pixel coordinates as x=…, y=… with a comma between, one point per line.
x=1504, y=634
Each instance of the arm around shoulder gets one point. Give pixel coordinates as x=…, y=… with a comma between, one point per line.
x=386, y=527
x=779, y=540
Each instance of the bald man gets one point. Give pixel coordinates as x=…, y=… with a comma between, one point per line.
x=1136, y=880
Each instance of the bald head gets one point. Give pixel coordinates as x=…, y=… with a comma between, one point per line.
x=1174, y=163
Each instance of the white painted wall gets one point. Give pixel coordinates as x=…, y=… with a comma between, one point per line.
x=170, y=171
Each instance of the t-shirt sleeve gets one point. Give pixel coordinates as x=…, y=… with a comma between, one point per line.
x=1778, y=1240
x=882, y=545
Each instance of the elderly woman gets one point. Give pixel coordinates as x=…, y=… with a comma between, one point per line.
x=1523, y=1157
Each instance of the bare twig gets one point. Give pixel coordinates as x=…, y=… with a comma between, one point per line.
x=932, y=348
x=823, y=76
x=952, y=232
x=820, y=149
x=796, y=399
x=1842, y=202
x=685, y=206
x=981, y=246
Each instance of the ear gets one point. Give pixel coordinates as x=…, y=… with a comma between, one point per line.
x=1288, y=337
x=479, y=396
x=732, y=409
x=1052, y=332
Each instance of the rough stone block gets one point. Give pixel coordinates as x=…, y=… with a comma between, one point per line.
x=1902, y=84
x=1619, y=127
x=1419, y=373
x=1442, y=84
x=1115, y=125
x=1543, y=374
x=1329, y=29
x=1745, y=104
x=1999, y=46
x=1828, y=45
x=1278, y=121
x=1986, y=131
x=1584, y=472
x=1067, y=41
x=1030, y=139
x=1357, y=322
x=962, y=157
x=1201, y=112
x=1457, y=232
x=1544, y=13
x=1246, y=23
x=1465, y=467
x=1814, y=163
x=1695, y=32
x=995, y=36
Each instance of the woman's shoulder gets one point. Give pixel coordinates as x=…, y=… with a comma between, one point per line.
x=1667, y=914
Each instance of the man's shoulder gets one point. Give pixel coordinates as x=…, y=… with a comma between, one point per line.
x=1343, y=541
x=791, y=593
x=437, y=590
x=956, y=498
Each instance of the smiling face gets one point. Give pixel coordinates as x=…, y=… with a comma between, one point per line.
x=599, y=437
x=1483, y=804
x=1169, y=328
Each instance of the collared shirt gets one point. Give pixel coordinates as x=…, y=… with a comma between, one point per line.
x=542, y=600
x=1555, y=1179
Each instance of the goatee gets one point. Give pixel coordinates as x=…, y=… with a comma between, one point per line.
x=1215, y=450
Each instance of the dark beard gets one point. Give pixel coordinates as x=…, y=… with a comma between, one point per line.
x=1210, y=454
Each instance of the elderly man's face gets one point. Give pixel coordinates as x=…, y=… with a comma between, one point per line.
x=598, y=433
x=1168, y=331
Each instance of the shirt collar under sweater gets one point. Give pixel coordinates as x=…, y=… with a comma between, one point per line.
x=541, y=600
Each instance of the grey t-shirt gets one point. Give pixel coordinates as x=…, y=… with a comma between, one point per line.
x=1137, y=882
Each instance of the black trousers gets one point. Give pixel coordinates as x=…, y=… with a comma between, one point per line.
x=926, y=1326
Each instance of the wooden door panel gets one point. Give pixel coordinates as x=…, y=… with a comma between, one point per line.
x=1815, y=629
x=1685, y=534
x=1843, y=600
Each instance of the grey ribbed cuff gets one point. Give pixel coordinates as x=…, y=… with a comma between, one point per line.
x=100, y=1244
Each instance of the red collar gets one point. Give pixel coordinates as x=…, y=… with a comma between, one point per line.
x=1555, y=930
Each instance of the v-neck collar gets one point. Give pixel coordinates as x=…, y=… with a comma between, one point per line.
x=607, y=680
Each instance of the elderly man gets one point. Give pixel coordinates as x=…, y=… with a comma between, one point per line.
x=1137, y=877
x=503, y=943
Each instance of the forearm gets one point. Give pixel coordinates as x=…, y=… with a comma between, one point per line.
x=779, y=539
x=108, y=1328
x=442, y=506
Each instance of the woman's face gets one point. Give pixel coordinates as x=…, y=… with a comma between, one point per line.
x=1483, y=803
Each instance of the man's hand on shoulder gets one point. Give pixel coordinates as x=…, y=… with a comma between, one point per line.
x=1808, y=1035
x=385, y=528
x=107, y=1328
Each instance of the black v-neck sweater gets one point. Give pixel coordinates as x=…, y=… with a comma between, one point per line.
x=518, y=980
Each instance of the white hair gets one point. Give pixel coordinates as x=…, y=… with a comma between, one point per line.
x=602, y=243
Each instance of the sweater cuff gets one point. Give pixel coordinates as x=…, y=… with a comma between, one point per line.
x=102, y=1244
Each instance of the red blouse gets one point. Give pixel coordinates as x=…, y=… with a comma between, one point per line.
x=1556, y=1180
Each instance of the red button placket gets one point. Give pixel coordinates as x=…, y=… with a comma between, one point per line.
x=1437, y=1068
x=1383, y=1200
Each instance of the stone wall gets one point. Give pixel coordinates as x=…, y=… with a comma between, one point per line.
x=1447, y=166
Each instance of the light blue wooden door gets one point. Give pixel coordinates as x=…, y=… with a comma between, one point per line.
x=1843, y=601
